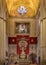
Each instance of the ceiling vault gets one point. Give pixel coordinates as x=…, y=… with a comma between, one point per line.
x=27, y=8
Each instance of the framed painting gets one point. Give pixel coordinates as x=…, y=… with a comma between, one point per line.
x=22, y=27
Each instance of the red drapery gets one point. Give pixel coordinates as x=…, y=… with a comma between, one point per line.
x=18, y=38
x=15, y=40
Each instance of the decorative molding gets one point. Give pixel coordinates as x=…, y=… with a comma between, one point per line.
x=43, y=19
x=3, y=19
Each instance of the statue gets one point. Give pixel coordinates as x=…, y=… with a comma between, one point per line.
x=23, y=44
x=22, y=55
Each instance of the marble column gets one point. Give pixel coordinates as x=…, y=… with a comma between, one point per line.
x=2, y=30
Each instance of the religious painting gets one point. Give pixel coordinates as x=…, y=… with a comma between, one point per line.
x=22, y=27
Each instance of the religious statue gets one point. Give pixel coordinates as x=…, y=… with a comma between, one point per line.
x=23, y=44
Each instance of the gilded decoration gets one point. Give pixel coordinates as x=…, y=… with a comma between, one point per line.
x=30, y=5
x=23, y=44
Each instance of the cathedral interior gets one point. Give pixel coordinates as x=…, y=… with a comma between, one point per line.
x=22, y=32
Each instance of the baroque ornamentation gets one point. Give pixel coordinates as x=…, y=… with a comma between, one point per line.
x=23, y=44
x=22, y=10
x=30, y=7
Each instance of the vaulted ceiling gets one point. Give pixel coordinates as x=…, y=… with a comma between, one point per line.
x=22, y=8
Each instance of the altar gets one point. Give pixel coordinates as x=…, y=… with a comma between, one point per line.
x=21, y=48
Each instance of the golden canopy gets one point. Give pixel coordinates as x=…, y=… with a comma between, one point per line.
x=30, y=7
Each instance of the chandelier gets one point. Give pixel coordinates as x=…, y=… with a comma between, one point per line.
x=25, y=8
